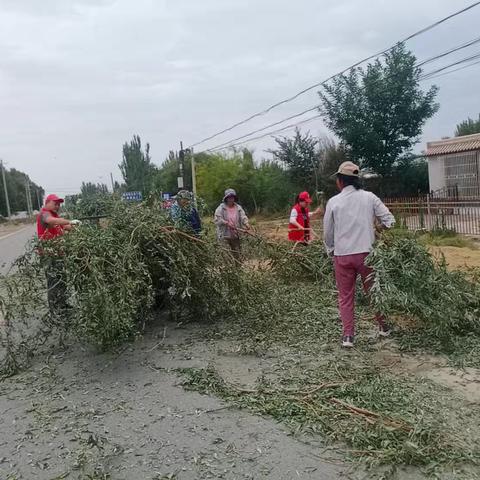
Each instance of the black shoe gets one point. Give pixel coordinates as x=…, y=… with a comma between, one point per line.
x=385, y=330
x=347, y=342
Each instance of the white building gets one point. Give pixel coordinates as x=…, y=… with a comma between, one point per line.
x=454, y=166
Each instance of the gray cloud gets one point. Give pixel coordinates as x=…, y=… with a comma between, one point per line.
x=79, y=77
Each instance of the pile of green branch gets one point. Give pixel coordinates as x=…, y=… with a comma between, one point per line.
x=294, y=263
x=118, y=274
x=410, y=281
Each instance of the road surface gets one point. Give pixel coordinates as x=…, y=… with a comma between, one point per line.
x=12, y=245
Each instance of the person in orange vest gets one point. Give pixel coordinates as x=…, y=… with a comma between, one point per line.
x=299, y=229
x=50, y=226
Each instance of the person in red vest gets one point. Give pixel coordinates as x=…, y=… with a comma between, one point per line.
x=299, y=229
x=50, y=226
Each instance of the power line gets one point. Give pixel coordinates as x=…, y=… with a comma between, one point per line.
x=316, y=85
x=458, y=62
x=450, y=51
x=263, y=128
x=274, y=132
x=454, y=70
x=427, y=76
x=423, y=77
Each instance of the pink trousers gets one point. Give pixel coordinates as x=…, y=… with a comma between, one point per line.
x=346, y=270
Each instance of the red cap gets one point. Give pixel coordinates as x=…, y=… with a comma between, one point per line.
x=304, y=197
x=54, y=198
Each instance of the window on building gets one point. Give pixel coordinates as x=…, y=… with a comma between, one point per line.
x=462, y=174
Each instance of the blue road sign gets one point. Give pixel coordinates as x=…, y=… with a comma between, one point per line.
x=132, y=196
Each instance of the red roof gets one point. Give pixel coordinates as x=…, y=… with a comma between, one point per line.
x=467, y=143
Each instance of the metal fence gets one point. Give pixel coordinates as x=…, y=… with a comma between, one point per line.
x=429, y=213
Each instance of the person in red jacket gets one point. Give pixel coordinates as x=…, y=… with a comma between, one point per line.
x=50, y=226
x=299, y=229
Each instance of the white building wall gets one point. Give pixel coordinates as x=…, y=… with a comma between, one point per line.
x=436, y=173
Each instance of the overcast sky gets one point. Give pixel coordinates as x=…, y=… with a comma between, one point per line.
x=79, y=77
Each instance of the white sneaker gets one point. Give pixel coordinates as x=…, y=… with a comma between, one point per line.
x=385, y=330
x=347, y=342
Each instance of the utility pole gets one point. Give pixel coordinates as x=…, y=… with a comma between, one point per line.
x=113, y=183
x=194, y=176
x=30, y=198
x=181, y=166
x=27, y=196
x=9, y=213
x=39, y=203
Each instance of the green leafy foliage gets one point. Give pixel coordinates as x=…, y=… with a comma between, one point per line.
x=410, y=281
x=165, y=178
x=16, y=180
x=310, y=161
x=88, y=189
x=116, y=274
x=265, y=187
x=299, y=155
x=468, y=127
x=91, y=205
x=109, y=283
x=136, y=166
x=408, y=177
x=378, y=112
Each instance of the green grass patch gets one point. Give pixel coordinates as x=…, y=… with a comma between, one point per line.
x=446, y=239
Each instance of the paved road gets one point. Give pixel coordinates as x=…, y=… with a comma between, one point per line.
x=13, y=245
x=127, y=417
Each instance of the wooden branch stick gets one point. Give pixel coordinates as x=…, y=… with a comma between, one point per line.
x=370, y=416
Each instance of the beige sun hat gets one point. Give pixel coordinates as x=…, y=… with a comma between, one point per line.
x=349, y=169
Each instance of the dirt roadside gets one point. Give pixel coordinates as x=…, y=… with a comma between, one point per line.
x=458, y=257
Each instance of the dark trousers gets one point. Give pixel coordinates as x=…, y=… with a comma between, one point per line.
x=57, y=287
x=235, y=249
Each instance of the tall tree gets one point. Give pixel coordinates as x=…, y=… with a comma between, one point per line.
x=89, y=189
x=166, y=177
x=16, y=181
x=379, y=112
x=136, y=167
x=330, y=156
x=299, y=155
x=468, y=127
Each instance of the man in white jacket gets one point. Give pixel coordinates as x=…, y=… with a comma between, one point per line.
x=349, y=235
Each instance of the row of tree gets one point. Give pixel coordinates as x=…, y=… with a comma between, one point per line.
x=17, y=192
x=300, y=162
